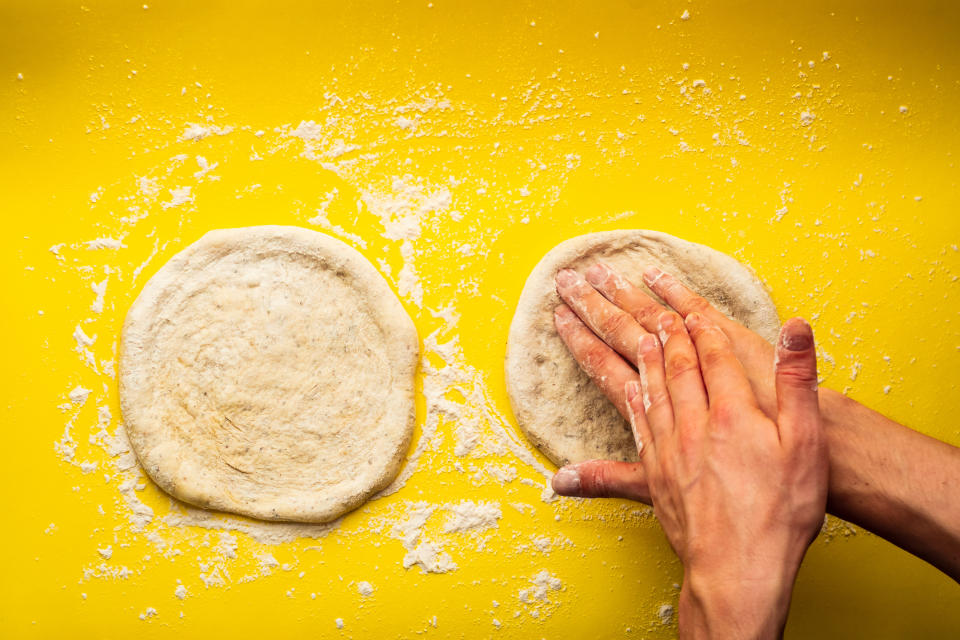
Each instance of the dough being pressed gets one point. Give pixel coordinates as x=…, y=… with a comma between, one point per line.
x=556, y=405
x=269, y=371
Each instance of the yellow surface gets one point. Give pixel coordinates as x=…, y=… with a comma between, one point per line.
x=562, y=118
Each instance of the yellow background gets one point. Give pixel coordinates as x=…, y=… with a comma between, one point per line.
x=563, y=118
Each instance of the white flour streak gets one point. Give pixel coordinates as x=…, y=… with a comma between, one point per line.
x=467, y=516
x=105, y=243
x=199, y=132
x=100, y=289
x=78, y=395
x=178, y=196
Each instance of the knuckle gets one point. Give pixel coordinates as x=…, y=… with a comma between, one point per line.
x=593, y=358
x=613, y=323
x=598, y=482
x=715, y=357
x=680, y=364
x=657, y=400
x=696, y=303
x=724, y=413
x=647, y=314
x=797, y=375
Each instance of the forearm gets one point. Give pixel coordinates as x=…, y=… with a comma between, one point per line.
x=896, y=482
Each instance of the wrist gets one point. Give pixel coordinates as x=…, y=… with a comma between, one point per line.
x=715, y=605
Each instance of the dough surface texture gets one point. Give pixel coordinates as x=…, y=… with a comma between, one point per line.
x=269, y=371
x=556, y=405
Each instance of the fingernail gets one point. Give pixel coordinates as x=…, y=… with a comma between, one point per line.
x=563, y=314
x=693, y=320
x=597, y=275
x=567, y=277
x=646, y=344
x=632, y=390
x=651, y=275
x=664, y=322
x=797, y=340
x=566, y=481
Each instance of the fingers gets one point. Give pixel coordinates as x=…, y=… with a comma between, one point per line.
x=723, y=375
x=622, y=293
x=680, y=297
x=795, y=373
x=682, y=369
x=638, y=418
x=653, y=387
x=603, y=479
x=605, y=367
x=614, y=326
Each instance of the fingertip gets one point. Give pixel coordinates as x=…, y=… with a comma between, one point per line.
x=694, y=321
x=796, y=335
x=563, y=312
x=563, y=319
x=566, y=481
x=651, y=275
x=665, y=323
x=795, y=359
x=566, y=278
x=646, y=344
x=597, y=274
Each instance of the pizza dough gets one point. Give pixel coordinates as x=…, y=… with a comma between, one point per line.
x=556, y=405
x=269, y=371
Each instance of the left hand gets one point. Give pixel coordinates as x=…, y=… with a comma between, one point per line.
x=740, y=496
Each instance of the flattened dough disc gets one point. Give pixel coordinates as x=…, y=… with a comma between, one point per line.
x=269, y=371
x=556, y=405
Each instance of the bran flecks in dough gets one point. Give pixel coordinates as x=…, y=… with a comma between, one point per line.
x=269, y=371
x=556, y=405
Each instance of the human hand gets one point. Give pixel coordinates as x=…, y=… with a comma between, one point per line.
x=899, y=496
x=600, y=322
x=740, y=497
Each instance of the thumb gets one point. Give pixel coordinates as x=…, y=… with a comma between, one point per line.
x=795, y=372
x=603, y=479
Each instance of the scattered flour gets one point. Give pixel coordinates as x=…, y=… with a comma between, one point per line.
x=178, y=196
x=468, y=515
x=543, y=582
x=78, y=395
x=665, y=614
x=410, y=211
x=323, y=222
x=502, y=473
x=104, y=243
x=100, y=290
x=430, y=557
x=200, y=131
